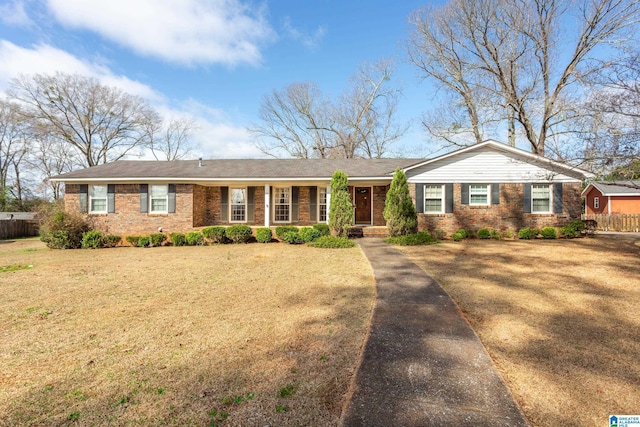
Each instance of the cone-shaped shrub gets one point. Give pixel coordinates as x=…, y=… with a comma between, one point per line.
x=399, y=211
x=341, y=210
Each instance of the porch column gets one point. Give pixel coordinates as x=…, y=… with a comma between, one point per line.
x=267, y=209
x=328, y=202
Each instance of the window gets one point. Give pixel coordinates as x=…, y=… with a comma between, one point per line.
x=322, y=204
x=596, y=202
x=282, y=204
x=479, y=194
x=434, y=199
x=541, y=198
x=159, y=200
x=98, y=199
x=238, y=204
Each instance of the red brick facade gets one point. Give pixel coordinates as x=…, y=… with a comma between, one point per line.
x=507, y=215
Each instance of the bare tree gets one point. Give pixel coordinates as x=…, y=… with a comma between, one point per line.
x=13, y=148
x=101, y=122
x=513, y=54
x=171, y=140
x=300, y=122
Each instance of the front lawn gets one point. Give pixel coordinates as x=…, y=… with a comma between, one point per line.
x=561, y=320
x=231, y=335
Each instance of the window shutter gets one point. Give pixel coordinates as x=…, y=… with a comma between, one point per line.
x=527, y=198
x=464, y=191
x=313, y=204
x=172, y=199
x=84, y=198
x=557, y=197
x=251, y=212
x=495, y=194
x=295, y=191
x=111, y=198
x=419, y=198
x=448, y=198
x=144, y=198
x=224, y=203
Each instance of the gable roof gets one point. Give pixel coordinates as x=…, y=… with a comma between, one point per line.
x=517, y=152
x=237, y=169
x=615, y=188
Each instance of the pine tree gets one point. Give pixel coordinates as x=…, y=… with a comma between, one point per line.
x=399, y=210
x=341, y=209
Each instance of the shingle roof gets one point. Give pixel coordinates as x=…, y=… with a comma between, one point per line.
x=240, y=169
x=618, y=188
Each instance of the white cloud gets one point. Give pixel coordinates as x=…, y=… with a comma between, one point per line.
x=182, y=31
x=308, y=40
x=14, y=13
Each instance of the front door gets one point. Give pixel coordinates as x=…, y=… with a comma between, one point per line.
x=363, y=205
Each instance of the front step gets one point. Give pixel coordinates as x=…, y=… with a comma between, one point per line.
x=368, y=231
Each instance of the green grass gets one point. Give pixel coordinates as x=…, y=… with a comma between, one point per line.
x=14, y=267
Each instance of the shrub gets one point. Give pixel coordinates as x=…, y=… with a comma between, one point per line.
x=110, y=240
x=525, y=234
x=144, y=241
x=458, y=236
x=508, y=234
x=63, y=230
x=239, y=233
x=157, y=239
x=462, y=232
x=264, y=235
x=495, y=234
x=399, y=211
x=309, y=234
x=92, y=239
x=421, y=238
x=549, y=233
x=438, y=234
x=484, y=233
x=535, y=232
x=572, y=230
x=215, y=234
x=178, y=239
x=284, y=229
x=323, y=229
x=332, y=242
x=341, y=209
x=292, y=237
x=194, y=238
x=133, y=240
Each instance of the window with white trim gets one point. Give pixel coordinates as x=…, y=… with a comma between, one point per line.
x=98, y=199
x=596, y=203
x=158, y=198
x=479, y=194
x=322, y=204
x=541, y=198
x=281, y=204
x=433, y=198
x=238, y=205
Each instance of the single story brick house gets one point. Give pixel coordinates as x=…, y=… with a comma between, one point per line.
x=612, y=197
x=484, y=185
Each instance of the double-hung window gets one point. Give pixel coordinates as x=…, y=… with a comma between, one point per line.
x=479, y=194
x=322, y=204
x=541, y=198
x=238, y=204
x=98, y=199
x=282, y=204
x=433, y=199
x=159, y=199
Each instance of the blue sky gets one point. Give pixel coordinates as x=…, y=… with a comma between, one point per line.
x=213, y=60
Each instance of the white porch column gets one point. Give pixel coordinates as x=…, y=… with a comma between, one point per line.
x=267, y=208
x=328, y=202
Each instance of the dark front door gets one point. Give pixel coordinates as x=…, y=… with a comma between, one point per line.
x=363, y=205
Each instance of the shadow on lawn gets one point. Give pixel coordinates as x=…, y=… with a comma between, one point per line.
x=586, y=348
x=200, y=387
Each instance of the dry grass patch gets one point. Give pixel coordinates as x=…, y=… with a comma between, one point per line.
x=561, y=320
x=180, y=336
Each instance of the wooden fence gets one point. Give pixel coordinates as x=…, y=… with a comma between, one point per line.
x=17, y=224
x=615, y=222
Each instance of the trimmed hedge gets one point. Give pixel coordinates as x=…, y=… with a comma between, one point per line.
x=264, y=235
x=110, y=241
x=92, y=239
x=215, y=234
x=309, y=234
x=292, y=237
x=194, y=238
x=484, y=233
x=281, y=230
x=178, y=239
x=332, y=242
x=157, y=239
x=239, y=233
x=421, y=238
x=323, y=229
x=549, y=233
x=525, y=234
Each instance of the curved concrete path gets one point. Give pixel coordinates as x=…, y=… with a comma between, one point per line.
x=422, y=364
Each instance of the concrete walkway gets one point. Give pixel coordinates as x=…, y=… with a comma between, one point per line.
x=422, y=365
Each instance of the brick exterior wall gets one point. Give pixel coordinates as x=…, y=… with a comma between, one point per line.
x=508, y=214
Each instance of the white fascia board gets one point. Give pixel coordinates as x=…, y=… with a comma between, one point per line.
x=212, y=180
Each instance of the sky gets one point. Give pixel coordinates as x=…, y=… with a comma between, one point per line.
x=213, y=60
